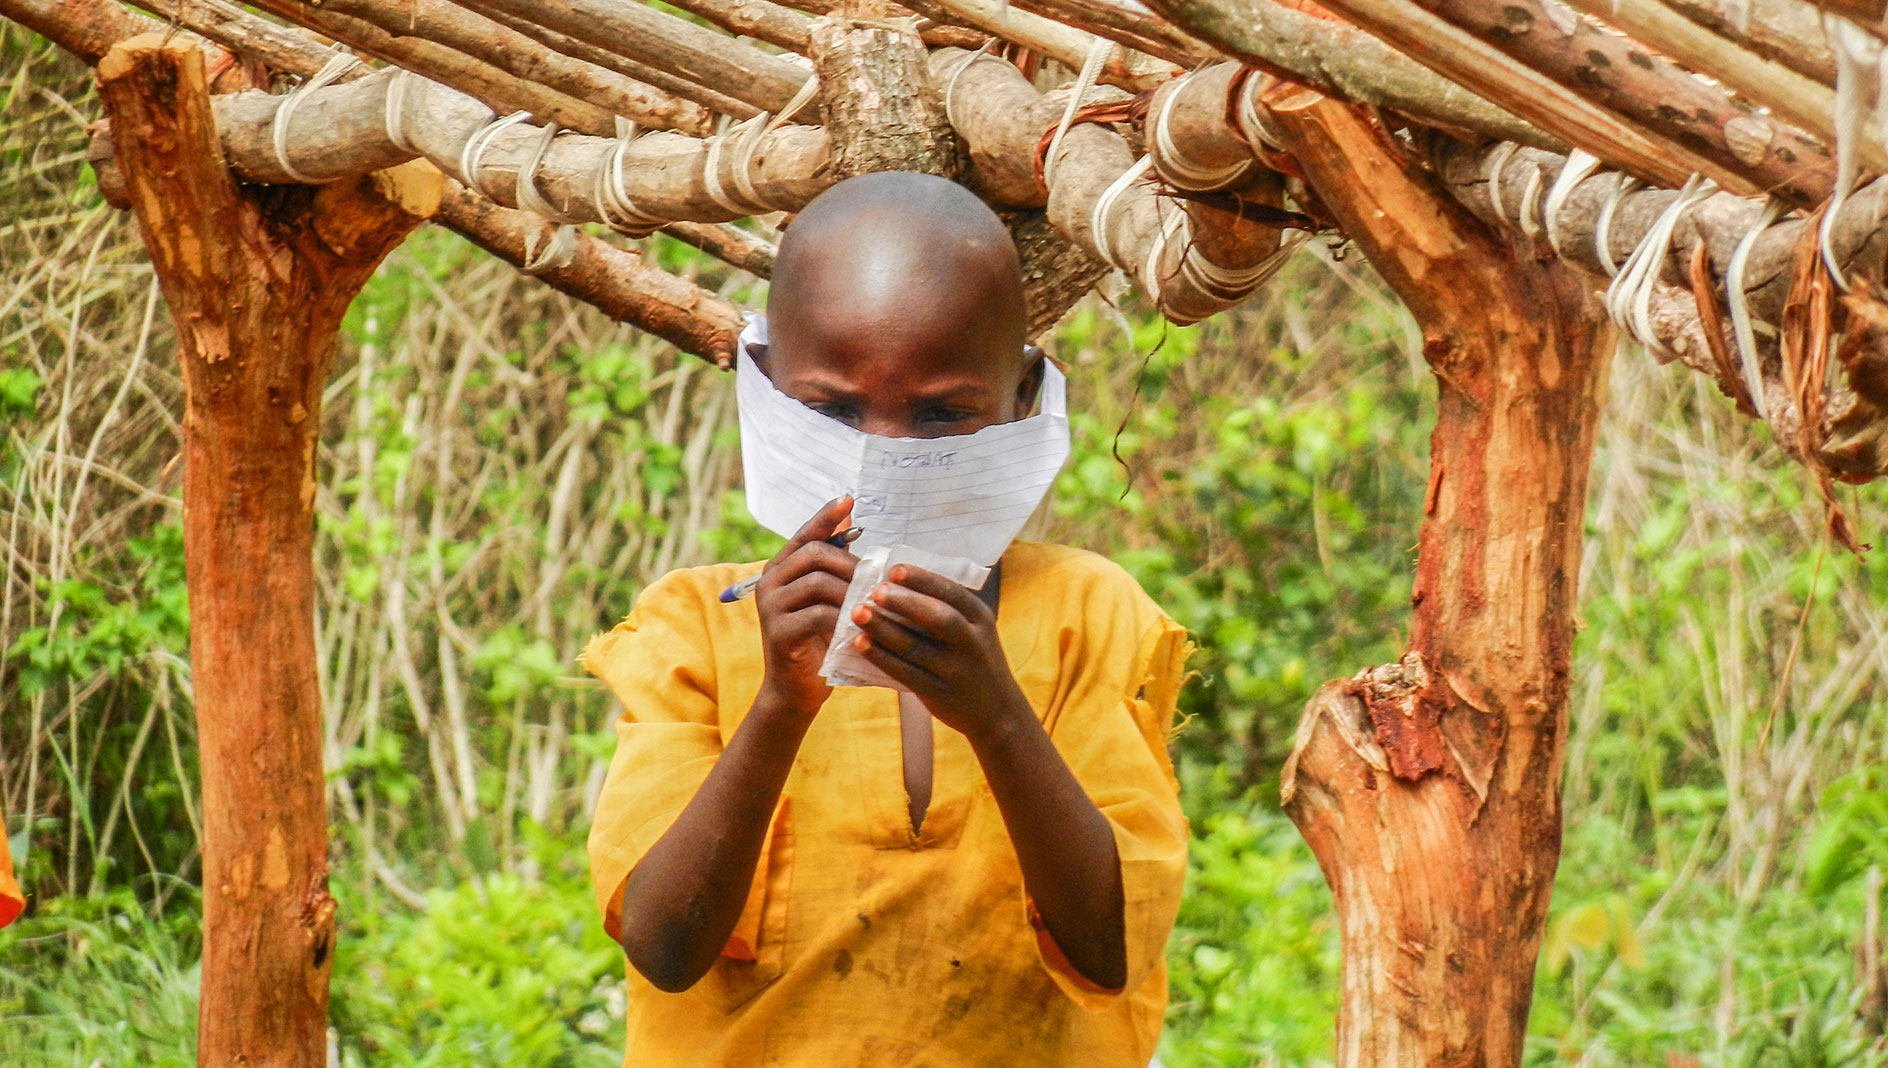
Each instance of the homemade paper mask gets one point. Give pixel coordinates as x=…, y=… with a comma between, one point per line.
x=949, y=505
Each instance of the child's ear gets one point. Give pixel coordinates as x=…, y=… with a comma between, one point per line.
x=1035, y=364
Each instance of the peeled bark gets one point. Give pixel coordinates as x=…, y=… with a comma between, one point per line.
x=257, y=280
x=882, y=111
x=1429, y=789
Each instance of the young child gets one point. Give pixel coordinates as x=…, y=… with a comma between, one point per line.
x=983, y=872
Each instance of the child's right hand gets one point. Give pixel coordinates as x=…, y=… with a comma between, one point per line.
x=798, y=597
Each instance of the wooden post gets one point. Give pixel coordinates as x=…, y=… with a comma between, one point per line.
x=257, y=279
x=1429, y=789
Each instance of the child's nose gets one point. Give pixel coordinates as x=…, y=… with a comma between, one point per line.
x=888, y=425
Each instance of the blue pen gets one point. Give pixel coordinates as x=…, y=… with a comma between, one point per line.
x=745, y=587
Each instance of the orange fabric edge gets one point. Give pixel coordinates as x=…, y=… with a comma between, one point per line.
x=744, y=940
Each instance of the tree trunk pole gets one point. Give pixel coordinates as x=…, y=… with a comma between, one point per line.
x=1429, y=789
x=257, y=280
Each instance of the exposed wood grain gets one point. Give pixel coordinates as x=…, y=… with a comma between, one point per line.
x=257, y=280
x=882, y=111
x=1429, y=789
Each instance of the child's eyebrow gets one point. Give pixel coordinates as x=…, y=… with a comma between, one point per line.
x=839, y=387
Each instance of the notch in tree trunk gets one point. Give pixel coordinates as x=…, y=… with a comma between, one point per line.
x=257, y=280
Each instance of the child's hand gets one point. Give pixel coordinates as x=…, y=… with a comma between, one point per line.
x=798, y=598
x=939, y=639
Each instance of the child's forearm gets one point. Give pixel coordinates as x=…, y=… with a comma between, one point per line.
x=683, y=899
x=1063, y=843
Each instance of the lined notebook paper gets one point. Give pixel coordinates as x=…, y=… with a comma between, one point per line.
x=955, y=501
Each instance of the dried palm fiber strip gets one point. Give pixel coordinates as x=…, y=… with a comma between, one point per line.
x=1720, y=221
x=1191, y=150
x=1101, y=198
x=667, y=42
x=505, y=49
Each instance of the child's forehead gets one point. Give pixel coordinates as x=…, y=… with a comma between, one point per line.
x=911, y=344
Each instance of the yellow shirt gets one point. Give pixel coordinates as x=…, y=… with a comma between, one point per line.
x=11, y=900
x=860, y=944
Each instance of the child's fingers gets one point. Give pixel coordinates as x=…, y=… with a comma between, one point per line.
x=905, y=672
x=811, y=558
x=890, y=633
x=922, y=612
x=935, y=585
x=833, y=516
x=814, y=587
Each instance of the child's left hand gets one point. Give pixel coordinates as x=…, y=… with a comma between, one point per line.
x=936, y=637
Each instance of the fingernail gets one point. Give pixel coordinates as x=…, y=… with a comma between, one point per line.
x=862, y=643
x=880, y=592
x=898, y=574
x=862, y=615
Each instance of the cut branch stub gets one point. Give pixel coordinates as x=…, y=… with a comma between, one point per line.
x=882, y=111
x=257, y=280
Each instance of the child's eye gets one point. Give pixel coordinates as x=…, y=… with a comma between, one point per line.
x=946, y=415
x=845, y=413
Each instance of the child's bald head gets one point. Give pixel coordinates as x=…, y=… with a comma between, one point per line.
x=901, y=282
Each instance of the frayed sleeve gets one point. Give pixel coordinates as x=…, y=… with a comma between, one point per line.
x=659, y=664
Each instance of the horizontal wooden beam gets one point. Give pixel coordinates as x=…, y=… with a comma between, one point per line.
x=666, y=42
x=1341, y=61
x=507, y=50
x=1626, y=79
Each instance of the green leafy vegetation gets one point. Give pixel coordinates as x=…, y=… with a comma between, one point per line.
x=502, y=470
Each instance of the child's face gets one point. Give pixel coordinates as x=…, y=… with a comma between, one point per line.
x=909, y=376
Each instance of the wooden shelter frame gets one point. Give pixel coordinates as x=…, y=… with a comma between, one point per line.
x=1701, y=161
